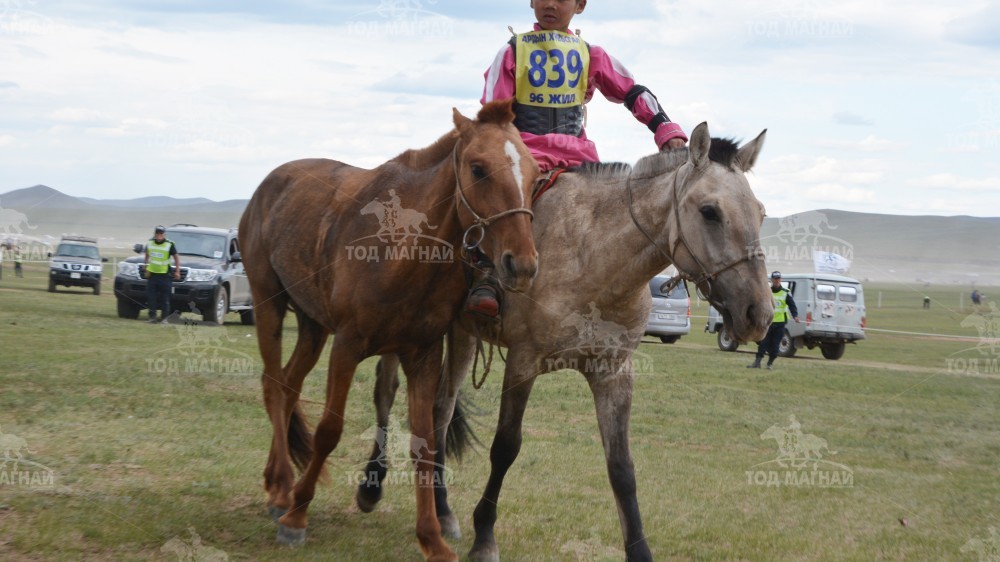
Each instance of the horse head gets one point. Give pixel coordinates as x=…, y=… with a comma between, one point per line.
x=372, y=208
x=495, y=174
x=717, y=235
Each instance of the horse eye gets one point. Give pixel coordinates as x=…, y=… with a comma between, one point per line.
x=710, y=213
x=478, y=172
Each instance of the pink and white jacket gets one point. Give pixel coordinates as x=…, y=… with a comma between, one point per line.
x=606, y=74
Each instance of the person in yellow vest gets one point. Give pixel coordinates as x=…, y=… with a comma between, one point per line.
x=784, y=305
x=159, y=251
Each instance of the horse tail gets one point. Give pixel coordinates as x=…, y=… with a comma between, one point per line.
x=299, y=438
x=461, y=436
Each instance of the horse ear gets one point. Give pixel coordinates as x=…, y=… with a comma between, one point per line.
x=461, y=122
x=700, y=143
x=746, y=157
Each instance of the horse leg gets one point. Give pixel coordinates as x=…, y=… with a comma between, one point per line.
x=461, y=352
x=503, y=452
x=270, y=315
x=312, y=337
x=386, y=384
x=423, y=371
x=343, y=362
x=613, y=399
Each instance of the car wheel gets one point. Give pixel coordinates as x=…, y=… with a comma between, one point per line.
x=726, y=342
x=669, y=339
x=787, y=346
x=833, y=351
x=128, y=309
x=246, y=317
x=97, y=289
x=217, y=314
x=52, y=285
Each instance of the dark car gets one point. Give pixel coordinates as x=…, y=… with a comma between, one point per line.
x=212, y=283
x=76, y=263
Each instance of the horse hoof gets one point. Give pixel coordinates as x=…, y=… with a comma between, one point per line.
x=449, y=527
x=484, y=554
x=367, y=498
x=288, y=536
x=276, y=512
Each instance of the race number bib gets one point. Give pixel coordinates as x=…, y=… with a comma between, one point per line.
x=551, y=68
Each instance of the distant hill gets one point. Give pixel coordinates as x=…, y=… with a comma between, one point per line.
x=955, y=250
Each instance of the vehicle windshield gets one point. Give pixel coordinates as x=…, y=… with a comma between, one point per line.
x=678, y=292
x=77, y=251
x=199, y=244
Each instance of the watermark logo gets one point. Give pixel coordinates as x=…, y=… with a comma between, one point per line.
x=985, y=135
x=16, y=19
x=408, y=18
x=590, y=550
x=13, y=222
x=401, y=235
x=600, y=346
x=202, y=348
x=193, y=550
x=801, y=19
x=800, y=461
x=398, y=449
x=16, y=471
x=988, y=549
x=984, y=356
x=805, y=237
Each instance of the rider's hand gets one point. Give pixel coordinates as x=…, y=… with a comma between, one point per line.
x=673, y=143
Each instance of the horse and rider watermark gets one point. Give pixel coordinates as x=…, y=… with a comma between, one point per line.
x=806, y=237
x=800, y=19
x=16, y=471
x=193, y=550
x=400, y=235
x=983, y=358
x=201, y=348
x=600, y=346
x=397, y=450
x=988, y=549
x=17, y=19
x=394, y=18
x=800, y=461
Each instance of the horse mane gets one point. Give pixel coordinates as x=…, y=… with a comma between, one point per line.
x=420, y=159
x=722, y=151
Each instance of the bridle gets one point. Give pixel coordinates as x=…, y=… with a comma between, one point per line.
x=704, y=278
x=479, y=224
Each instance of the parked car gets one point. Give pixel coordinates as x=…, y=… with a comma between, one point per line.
x=212, y=283
x=831, y=310
x=76, y=263
x=670, y=317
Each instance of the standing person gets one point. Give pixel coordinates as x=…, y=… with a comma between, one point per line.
x=158, y=285
x=784, y=305
x=18, y=258
x=552, y=73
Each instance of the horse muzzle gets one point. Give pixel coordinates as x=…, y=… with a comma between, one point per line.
x=517, y=272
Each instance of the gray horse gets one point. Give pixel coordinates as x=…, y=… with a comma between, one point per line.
x=602, y=233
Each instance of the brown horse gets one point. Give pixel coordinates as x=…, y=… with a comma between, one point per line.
x=602, y=234
x=308, y=247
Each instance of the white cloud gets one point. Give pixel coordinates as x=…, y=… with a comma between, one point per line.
x=74, y=115
x=957, y=183
x=7, y=141
x=871, y=143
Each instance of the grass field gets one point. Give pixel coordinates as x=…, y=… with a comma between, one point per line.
x=148, y=442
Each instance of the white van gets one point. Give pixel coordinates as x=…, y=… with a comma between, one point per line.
x=831, y=312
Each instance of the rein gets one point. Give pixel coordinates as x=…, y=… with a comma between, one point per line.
x=479, y=224
x=705, y=277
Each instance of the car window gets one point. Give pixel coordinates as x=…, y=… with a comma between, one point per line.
x=78, y=251
x=678, y=292
x=848, y=294
x=826, y=292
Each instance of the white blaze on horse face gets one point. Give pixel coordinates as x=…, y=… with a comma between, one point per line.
x=515, y=167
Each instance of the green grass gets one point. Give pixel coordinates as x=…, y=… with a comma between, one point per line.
x=144, y=450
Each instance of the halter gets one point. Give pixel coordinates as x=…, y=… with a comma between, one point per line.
x=479, y=224
x=705, y=277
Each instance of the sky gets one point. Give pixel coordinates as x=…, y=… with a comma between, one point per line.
x=872, y=106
